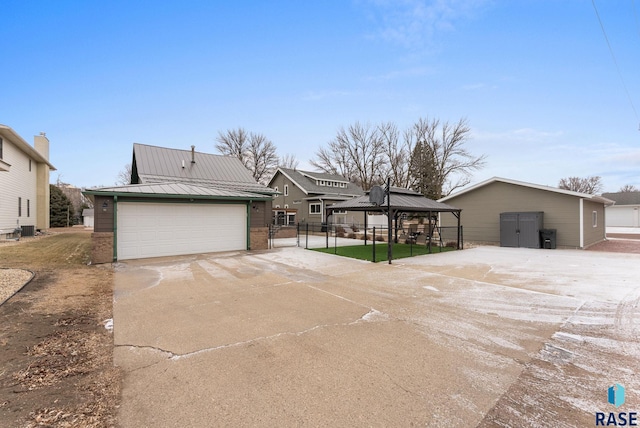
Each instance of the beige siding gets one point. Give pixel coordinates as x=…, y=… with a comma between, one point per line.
x=18, y=182
x=481, y=210
x=593, y=234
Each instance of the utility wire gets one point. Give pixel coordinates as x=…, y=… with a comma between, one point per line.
x=615, y=61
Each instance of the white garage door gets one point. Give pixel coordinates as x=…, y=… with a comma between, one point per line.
x=155, y=229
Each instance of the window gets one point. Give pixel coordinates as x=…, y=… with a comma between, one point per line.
x=594, y=218
x=286, y=206
x=286, y=190
x=339, y=212
x=19, y=207
x=314, y=208
x=0, y=148
x=28, y=208
x=321, y=183
x=343, y=184
x=275, y=188
x=29, y=170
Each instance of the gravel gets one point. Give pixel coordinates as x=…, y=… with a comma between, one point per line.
x=11, y=280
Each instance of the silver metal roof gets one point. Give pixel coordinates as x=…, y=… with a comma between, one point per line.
x=181, y=190
x=164, y=165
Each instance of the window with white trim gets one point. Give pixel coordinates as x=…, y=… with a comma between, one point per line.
x=286, y=190
x=594, y=218
x=314, y=208
x=275, y=188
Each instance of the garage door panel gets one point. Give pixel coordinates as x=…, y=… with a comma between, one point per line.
x=157, y=229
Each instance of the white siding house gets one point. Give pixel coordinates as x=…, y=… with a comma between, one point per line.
x=24, y=183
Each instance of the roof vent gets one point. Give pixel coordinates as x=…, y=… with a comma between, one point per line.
x=193, y=154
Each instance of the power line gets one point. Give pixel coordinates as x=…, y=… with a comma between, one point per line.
x=615, y=61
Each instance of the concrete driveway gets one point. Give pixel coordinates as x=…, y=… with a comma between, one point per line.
x=290, y=337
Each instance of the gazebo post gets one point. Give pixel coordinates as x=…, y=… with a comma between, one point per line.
x=365, y=228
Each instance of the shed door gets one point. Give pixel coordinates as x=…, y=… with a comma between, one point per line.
x=168, y=229
x=529, y=227
x=509, y=230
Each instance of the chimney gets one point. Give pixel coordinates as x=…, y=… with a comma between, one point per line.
x=41, y=144
x=193, y=154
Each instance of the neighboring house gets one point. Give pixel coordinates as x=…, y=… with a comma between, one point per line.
x=303, y=197
x=180, y=202
x=87, y=217
x=626, y=211
x=76, y=198
x=24, y=183
x=577, y=218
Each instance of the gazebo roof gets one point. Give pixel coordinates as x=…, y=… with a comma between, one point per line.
x=403, y=200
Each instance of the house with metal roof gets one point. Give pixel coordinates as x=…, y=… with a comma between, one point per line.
x=24, y=183
x=514, y=213
x=303, y=197
x=626, y=211
x=180, y=202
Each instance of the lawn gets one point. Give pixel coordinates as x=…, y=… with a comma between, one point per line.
x=365, y=252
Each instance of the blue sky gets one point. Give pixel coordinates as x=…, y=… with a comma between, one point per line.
x=535, y=78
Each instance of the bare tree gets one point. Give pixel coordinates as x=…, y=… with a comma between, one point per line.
x=255, y=151
x=440, y=163
x=590, y=185
x=124, y=176
x=356, y=153
x=288, y=161
x=397, y=154
x=628, y=188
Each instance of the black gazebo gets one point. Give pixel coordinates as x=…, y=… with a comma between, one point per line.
x=395, y=202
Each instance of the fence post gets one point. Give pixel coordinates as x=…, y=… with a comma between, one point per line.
x=306, y=242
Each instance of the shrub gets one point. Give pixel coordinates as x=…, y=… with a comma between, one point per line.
x=380, y=238
x=351, y=235
x=354, y=228
x=339, y=229
x=340, y=234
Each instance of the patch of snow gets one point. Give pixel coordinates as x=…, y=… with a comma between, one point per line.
x=108, y=324
x=428, y=287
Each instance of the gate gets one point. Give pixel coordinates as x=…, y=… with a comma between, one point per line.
x=283, y=236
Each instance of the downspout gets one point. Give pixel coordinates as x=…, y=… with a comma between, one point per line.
x=581, y=223
x=249, y=224
x=115, y=228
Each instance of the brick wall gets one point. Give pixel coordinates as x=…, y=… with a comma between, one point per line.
x=259, y=237
x=101, y=247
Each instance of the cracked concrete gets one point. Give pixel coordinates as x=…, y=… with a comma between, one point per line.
x=290, y=337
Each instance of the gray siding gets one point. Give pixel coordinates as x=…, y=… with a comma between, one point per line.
x=481, y=210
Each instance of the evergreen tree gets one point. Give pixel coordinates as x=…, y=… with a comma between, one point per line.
x=61, y=212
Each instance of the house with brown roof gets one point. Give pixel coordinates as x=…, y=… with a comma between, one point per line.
x=24, y=183
x=180, y=202
x=303, y=197
x=513, y=213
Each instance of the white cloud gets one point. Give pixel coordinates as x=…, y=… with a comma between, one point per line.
x=413, y=23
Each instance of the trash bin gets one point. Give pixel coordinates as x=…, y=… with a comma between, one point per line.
x=548, y=238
